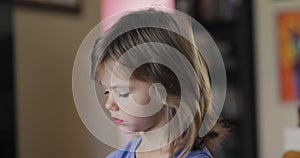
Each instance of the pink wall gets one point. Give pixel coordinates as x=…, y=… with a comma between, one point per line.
x=111, y=7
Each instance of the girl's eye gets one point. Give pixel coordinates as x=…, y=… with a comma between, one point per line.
x=106, y=92
x=124, y=94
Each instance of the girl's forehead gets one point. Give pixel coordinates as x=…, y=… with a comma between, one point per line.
x=104, y=77
x=105, y=69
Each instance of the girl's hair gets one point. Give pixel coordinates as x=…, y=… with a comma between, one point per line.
x=158, y=73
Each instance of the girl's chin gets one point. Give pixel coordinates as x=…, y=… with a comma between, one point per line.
x=126, y=130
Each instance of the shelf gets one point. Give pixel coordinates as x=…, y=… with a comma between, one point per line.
x=217, y=24
x=227, y=23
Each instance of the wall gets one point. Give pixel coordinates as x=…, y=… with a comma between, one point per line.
x=45, y=47
x=273, y=115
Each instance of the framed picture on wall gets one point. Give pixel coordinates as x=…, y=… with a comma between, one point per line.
x=288, y=23
x=62, y=5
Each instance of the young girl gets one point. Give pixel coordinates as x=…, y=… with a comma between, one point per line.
x=170, y=130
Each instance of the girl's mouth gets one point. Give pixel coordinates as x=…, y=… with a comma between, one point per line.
x=118, y=121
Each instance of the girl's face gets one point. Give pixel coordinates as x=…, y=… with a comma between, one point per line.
x=138, y=92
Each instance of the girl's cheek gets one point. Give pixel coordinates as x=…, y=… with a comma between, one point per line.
x=140, y=97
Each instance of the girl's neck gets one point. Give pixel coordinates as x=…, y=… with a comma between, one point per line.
x=154, y=141
x=155, y=137
x=152, y=145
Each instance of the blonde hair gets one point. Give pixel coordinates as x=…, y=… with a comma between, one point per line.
x=158, y=73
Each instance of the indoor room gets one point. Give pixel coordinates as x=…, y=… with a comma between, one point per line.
x=52, y=108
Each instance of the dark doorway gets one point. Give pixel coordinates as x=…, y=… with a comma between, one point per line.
x=7, y=112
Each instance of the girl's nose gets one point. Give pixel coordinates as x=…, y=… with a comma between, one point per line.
x=111, y=104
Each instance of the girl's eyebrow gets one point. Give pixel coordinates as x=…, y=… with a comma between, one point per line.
x=114, y=86
x=118, y=86
x=102, y=84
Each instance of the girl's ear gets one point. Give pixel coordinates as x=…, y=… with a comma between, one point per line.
x=164, y=102
x=159, y=92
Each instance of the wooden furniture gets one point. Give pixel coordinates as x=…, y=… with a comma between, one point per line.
x=291, y=154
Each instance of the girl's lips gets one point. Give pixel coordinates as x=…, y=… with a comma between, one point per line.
x=118, y=121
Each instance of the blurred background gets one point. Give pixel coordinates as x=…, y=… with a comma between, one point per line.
x=40, y=39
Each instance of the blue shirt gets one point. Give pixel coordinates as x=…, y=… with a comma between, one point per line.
x=128, y=151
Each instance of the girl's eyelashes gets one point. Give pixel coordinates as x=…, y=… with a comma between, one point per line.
x=120, y=94
x=124, y=94
x=106, y=92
